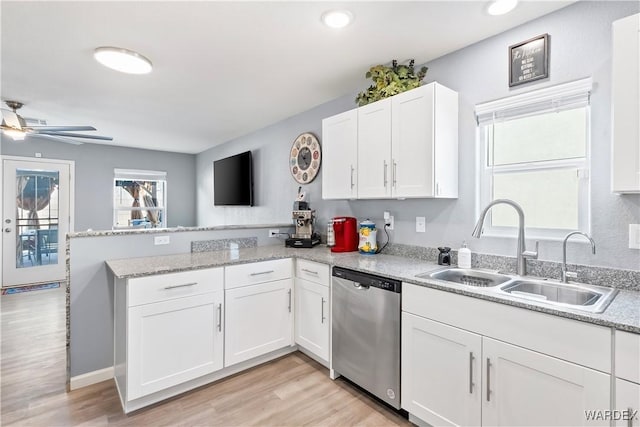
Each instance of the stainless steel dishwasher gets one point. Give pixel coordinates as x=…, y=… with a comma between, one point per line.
x=365, y=343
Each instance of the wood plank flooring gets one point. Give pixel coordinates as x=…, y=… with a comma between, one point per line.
x=291, y=391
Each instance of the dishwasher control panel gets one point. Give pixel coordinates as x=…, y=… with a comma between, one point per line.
x=366, y=280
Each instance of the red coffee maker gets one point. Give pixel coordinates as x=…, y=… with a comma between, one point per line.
x=345, y=229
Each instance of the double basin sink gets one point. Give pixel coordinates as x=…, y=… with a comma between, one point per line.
x=575, y=296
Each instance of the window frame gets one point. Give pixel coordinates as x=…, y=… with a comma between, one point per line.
x=139, y=175
x=557, y=98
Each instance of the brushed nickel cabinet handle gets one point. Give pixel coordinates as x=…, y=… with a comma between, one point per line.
x=181, y=286
x=395, y=169
x=322, y=318
x=219, y=317
x=471, y=358
x=261, y=272
x=488, y=380
x=630, y=417
x=309, y=271
x=289, y=292
x=385, y=173
x=352, y=176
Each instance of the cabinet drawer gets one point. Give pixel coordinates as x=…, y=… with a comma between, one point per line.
x=236, y=276
x=145, y=290
x=627, y=355
x=313, y=271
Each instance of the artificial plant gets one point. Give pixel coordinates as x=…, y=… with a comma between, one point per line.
x=389, y=81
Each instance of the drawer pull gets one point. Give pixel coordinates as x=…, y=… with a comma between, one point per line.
x=309, y=271
x=181, y=286
x=471, y=358
x=261, y=273
x=488, y=380
x=219, y=317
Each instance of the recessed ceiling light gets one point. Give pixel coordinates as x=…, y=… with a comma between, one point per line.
x=123, y=60
x=337, y=18
x=500, y=7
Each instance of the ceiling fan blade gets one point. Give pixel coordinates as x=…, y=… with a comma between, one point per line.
x=55, y=138
x=74, y=135
x=61, y=128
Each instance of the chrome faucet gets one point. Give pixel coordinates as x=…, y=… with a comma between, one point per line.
x=566, y=274
x=521, y=252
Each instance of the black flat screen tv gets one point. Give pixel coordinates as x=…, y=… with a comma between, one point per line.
x=233, y=180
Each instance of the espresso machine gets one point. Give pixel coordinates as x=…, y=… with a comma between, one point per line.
x=304, y=237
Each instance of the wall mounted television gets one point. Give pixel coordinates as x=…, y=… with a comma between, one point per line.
x=233, y=180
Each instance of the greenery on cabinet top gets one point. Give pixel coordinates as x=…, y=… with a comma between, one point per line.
x=389, y=81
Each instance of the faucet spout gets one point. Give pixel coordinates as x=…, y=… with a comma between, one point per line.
x=521, y=252
x=566, y=274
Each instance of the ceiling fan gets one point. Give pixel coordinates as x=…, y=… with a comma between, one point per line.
x=18, y=127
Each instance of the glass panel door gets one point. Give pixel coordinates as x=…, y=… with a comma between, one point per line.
x=36, y=206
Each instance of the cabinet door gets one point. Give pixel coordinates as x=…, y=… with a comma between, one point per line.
x=258, y=320
x=440, y=372
x=173, y=341
x=374, y=150
x=627, y=403
x=339, y=153
x=412, y=146
x=522, y=387
x=625, y=92
x=312, y=317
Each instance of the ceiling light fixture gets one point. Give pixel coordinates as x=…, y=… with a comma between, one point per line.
x=500, y=7
x=337, y=18
x=123, y=60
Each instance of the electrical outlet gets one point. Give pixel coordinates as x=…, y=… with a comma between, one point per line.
x=388, y=220
x=421, y=224
x=161, y=240
x=634, y=236
x=274, y=232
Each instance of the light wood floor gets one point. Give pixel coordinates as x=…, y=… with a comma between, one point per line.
x=290, y=391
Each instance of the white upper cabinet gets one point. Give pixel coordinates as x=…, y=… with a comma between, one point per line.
x=374, y=150
x=625, y=86
x=407, y=147
x=340, y=156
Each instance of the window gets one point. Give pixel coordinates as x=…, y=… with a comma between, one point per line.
x=534, y=150
x=139, y=199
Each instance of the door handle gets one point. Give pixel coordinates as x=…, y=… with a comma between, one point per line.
x=488, y=380
x=322, y=311
x=352, y=176
x=289, y=292
x=360, y=286
x=385, y=173
x=394, y=172
x=471, y=358
x=219, y=317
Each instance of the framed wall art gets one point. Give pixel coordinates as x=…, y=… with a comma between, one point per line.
x=529, y=60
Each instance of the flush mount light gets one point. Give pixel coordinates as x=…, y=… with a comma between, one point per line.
x=500, y=7
x=123, y=60
x=337, y=18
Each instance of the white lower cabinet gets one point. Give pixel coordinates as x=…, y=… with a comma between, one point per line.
x=312, y=317
x=455, y=377
x=627, y=363
x=258, y=320
x=627, y=404
x=174, y=341
x=523, y=387
x=168, y=331
x=441, y=372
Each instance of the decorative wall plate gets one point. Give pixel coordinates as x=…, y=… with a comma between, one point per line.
x=305, y=158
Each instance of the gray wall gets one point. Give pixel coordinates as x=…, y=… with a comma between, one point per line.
x=580, y=46
x=94, y=164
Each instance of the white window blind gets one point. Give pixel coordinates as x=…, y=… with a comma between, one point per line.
x=133, y=174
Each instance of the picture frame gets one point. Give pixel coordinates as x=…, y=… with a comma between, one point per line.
x=529, y=60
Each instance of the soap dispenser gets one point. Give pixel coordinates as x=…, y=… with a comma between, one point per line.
x=464, y=256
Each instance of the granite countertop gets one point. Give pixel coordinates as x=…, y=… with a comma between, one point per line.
x=179, y=229
x=623, y=313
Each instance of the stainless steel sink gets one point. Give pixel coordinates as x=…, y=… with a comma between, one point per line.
x=469, y=277
x=594, y=299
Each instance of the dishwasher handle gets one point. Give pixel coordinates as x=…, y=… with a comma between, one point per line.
x=360, y=286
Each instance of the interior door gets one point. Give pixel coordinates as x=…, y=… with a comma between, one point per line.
x=36, y=218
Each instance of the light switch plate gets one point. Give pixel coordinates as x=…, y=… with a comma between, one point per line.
x=161, y=240
x=421, y=224
x=634, y=236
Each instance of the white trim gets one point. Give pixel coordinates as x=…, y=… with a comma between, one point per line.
x=90, y=378
x=565, y=93
x=126, y=174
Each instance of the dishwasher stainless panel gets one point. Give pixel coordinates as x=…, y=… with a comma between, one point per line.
x=366, y=332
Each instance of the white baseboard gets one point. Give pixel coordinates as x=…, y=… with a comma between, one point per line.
x=89, y=378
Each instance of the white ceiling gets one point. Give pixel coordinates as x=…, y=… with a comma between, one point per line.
x=221, y=69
